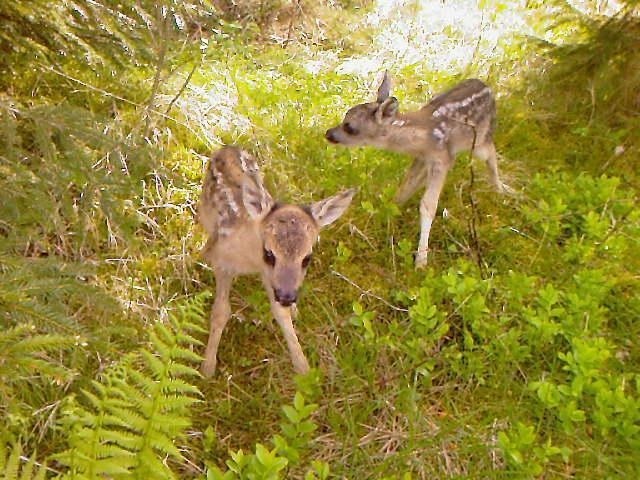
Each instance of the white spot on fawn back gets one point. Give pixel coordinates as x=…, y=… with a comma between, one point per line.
x=227, y=206
x=453, y=108
x=439, y=135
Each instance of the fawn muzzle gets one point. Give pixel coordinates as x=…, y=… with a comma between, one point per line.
x=285, y=297
x=331, y=135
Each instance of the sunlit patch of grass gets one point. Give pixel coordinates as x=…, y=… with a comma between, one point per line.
x=209, y=106
x=450, y=36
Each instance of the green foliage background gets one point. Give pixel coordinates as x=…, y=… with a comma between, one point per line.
x=513, y=355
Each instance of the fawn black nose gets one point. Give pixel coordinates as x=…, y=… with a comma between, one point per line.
x=331, y=135
x=285, y=298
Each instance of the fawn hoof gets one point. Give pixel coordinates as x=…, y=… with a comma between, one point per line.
x=208, y=369
x=421, y=259
x=505, y=189
x=302, y=368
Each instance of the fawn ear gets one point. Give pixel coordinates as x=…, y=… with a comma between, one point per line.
x=330, y=209
x=386, y=110
x=384, y=88
x=256, y=199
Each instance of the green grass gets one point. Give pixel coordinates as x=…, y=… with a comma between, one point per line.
x=393, y=399
x=511, y=356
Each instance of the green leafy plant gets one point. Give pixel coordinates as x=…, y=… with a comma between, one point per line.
x=524, y=454
x=265, y=464
x=140, y=407
x=362, y=319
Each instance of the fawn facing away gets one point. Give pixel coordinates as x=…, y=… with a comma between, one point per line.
x=250, y=233
x=460, y=119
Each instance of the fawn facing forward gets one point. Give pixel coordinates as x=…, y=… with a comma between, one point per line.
x=250, y=233
x=460, y=119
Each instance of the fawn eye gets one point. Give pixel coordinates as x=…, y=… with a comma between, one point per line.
x=306, y=260
x=269, y=257
x=350, y=129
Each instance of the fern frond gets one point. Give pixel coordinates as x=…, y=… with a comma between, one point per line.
x=97, y=32
x=139, y=409
x=10, y=465
x=26, y=356
x=43, y=291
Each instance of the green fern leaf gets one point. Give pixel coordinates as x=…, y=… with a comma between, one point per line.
x=10, y=465
x=139, y=409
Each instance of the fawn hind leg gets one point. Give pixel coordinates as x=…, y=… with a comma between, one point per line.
x=414, y=179
x=487, y=152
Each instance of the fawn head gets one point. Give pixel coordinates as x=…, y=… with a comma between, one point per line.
x=367, y=123
x=288, y=234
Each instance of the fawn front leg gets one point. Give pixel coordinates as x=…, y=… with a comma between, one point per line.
x=219, y=316
x=283, y=317
x=428, y=206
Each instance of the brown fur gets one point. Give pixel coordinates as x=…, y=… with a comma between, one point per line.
x=250, y=234
x=460, y=119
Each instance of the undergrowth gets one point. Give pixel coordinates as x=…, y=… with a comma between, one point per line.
x=512, y=355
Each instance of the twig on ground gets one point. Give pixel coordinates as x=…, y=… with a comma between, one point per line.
x=367, y=293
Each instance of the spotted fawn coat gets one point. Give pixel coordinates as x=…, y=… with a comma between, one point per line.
x=249, y=233
x=460, y=119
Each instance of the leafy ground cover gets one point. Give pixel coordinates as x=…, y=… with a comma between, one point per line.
x=513, y=355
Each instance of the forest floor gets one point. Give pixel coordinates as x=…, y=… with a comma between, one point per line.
x=512, y=355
